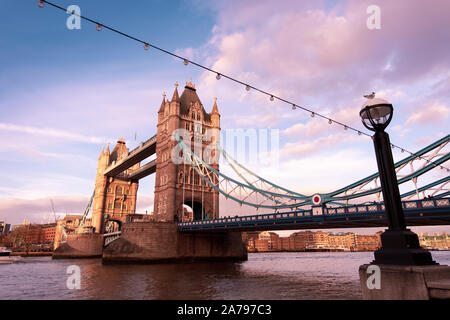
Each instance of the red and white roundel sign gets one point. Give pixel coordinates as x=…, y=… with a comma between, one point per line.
x=316, y=199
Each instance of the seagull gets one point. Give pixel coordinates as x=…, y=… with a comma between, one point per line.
x=370, y=96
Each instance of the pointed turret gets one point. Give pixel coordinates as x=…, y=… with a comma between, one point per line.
x=215, y=115
x=175, y=97
x=163, y=103
x=102, y=153
x=103, y=160
x=215, y=109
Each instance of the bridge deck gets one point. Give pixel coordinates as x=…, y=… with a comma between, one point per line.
x=417, y=213
x=143, y=171
x=145, y=150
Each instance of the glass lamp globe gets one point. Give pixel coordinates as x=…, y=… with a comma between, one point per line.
x=376, y=114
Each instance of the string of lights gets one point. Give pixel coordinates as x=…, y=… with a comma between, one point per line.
x=99, y=26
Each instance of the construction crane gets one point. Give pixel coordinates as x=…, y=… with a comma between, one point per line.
x=81, y=224
x=53, y=209
x=63, y=228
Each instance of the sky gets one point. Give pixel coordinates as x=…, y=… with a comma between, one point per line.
x=64, y=94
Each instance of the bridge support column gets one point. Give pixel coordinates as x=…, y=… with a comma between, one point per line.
x=158, y=242
x=396, y=282
x=87, y=245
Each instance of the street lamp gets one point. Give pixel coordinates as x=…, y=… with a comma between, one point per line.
x=400, y=246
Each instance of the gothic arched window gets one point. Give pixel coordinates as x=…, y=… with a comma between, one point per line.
x=196, y=178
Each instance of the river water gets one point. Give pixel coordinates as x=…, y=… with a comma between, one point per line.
x=294, y=275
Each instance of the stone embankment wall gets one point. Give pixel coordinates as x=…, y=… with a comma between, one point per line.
x=161, y=242
x=80, y=246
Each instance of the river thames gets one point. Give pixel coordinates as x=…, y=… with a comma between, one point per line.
x=294, y=275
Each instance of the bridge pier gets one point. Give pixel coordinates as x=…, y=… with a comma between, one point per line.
x=158, y=242
x=398, y=282
x=88, y=245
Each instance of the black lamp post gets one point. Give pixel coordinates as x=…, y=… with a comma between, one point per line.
x=400, y=245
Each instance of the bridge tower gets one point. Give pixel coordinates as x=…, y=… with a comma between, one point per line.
x=115, y=197
x=179, y=184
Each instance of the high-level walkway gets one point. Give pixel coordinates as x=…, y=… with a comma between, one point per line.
x=143, y=151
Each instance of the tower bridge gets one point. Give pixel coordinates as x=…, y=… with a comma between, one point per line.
x=175, y=233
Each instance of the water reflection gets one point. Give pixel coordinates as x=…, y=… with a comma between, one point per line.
x=264, y=276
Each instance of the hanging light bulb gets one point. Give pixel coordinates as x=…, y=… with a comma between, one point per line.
x=185, y=62
x=393, y=147
x=330, y=121
x=98, y=27
x=146, y=46
x=345, y=127
x=359, y=133
x=40, y=4
x=271, y=98
x=218, y=76
x=247, y=87
x=403, y=150
x=312, y=114
x=293, y=107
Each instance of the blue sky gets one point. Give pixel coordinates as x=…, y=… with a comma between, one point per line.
x=65, y=93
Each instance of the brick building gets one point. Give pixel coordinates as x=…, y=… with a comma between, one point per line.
x=367, y=242
x=311, y=241
x=342, y=240
x=40, y=233
x=435, y=242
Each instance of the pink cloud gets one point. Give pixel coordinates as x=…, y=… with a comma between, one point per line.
x=306, y=148
x=433, y=113
x=53, y=133
x=318, y=126
x=307, y=52
x=15, y=210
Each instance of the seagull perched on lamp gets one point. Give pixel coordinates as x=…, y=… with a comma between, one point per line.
x=370, y=96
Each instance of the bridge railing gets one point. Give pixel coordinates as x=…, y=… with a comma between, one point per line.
x=110, y=237
x=135, y=150
x=377, y=207
x=368, y=209
x=138, y=217
x=142, y=144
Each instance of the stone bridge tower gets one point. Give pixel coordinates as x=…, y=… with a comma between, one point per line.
x=114, y=197
x=177, y=185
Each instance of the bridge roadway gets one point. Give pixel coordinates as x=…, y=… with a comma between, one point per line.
x=145, y=150
x=417, y=213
